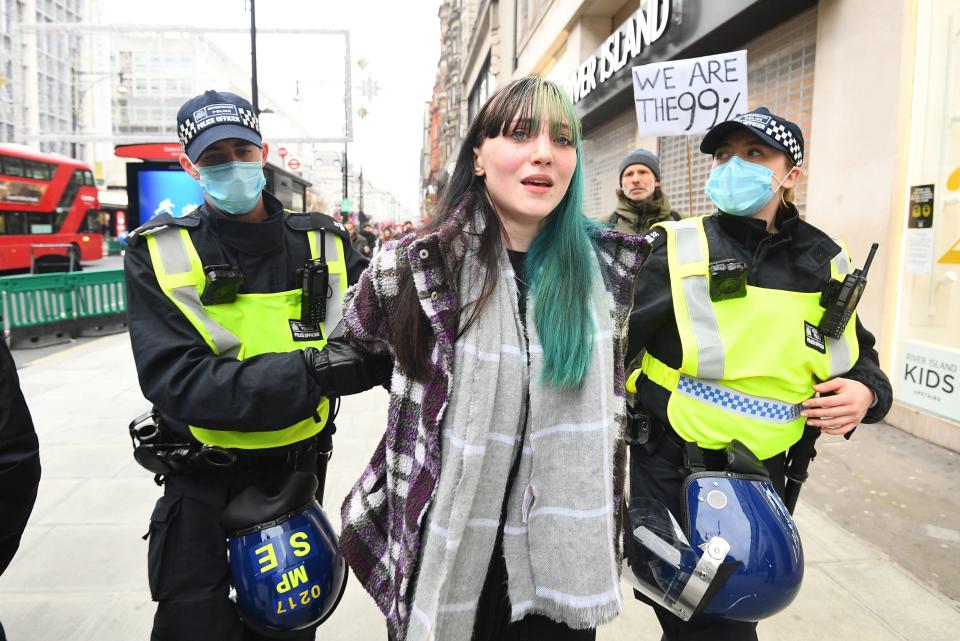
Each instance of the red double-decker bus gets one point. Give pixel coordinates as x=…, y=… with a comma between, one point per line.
x=48, y=205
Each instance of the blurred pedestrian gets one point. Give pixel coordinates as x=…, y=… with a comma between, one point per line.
x=641, y=202
x=506, y=316
x=369, y=235
x=358, y=241
x=386, y=235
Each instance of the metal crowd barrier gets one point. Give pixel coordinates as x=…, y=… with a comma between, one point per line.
x=46, y=309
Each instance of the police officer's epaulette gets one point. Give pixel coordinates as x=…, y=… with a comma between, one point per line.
x=655, y=239
x=315, y=221
x=159, y=223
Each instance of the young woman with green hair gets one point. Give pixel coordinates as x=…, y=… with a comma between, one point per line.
x=491, y=507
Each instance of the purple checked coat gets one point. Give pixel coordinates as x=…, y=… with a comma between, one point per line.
x=383, y=513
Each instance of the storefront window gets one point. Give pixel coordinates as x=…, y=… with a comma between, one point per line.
x=928, y=346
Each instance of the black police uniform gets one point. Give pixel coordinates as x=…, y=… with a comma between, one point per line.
x=188, y=384
x=796, y=258
x=19, y=460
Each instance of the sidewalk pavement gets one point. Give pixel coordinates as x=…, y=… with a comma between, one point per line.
x=80, y=574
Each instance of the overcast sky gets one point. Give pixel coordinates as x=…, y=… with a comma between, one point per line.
x=400, y=40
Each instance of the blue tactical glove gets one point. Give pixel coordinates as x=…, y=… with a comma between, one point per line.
x=341, y=369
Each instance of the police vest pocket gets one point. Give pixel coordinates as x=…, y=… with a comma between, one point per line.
x=164, y=513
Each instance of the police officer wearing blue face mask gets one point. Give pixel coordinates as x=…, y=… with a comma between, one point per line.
x=231, y=307
x=726, y=309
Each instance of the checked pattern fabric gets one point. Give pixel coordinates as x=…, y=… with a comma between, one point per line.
x=249, y=119
x=736, y=402
x=188, y=129
x=784, y=136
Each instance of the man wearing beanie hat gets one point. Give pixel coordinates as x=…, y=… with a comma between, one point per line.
x=640, y=201
x=233, y=360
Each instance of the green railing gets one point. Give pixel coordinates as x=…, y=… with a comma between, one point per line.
x=43, y=309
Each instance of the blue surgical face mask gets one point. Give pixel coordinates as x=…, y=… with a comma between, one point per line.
x=234, y=187
x=740, y=188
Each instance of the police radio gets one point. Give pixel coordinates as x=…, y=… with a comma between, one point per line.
x=315, y=276
x=840, y=299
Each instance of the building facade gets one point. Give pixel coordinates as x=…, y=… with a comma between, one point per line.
x=43, y=75
x=872, y=83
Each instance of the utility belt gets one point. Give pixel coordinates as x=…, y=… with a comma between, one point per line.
x=650, y=436
x=655, y=439
x=159, y=451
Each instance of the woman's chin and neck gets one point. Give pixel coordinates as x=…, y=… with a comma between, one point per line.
x=519, y=231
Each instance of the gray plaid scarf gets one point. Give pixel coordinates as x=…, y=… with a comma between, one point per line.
x=559, y=533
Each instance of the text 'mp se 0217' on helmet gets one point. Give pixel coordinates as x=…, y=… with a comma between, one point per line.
x=738, y=556
x=288, y=573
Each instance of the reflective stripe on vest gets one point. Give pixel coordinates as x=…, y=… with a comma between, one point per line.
x=329, y=247
x=705, y=357
x=236, y=329
x=177, y=266
x=841, y=360
x=745, y=370
x=730, y=400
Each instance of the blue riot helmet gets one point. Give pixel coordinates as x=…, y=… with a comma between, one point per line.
x=737, y=556
x=288, y=573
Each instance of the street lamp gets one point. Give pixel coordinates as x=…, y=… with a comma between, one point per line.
x=77, y=98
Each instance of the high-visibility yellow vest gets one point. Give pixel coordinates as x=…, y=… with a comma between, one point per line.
x=748, y=363
x=253, y=324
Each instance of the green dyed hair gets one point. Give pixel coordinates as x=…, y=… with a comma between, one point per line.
x=560, y=264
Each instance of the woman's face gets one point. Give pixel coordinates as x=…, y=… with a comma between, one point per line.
x=746, y=146
x=527, y=173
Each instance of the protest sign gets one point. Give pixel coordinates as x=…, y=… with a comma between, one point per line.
x=690, y=96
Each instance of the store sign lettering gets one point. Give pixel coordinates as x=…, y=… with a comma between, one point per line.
x=640, y=30
x=927, y=378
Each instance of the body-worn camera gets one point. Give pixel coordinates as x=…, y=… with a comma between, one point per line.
x=315, y=276
x=840, y=299
x=728, y=279
x=223, y=283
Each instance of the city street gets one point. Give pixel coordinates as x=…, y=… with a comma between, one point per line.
x=879, y=523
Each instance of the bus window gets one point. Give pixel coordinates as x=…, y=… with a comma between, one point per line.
x=40, y=224
x=59, y=217
x=38, y=170
x=92, y=222
x=70, y=192
x=14, y=222
x=12, y=167
x=88, y=179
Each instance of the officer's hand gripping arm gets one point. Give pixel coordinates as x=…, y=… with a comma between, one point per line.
x=341, y=369
x=840, y=408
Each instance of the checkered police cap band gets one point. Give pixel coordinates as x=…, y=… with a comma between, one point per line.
x=786, y=138
x=188, y=129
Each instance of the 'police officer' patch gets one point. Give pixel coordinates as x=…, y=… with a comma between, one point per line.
x=814, y=338
x=304, y=331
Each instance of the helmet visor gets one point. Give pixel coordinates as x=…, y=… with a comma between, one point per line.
x=663, y=566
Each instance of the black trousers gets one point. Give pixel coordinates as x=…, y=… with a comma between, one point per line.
x=187, y=559
x=658, y=478
x=493, y=611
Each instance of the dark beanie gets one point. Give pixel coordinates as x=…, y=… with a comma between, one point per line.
x=641, y=157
